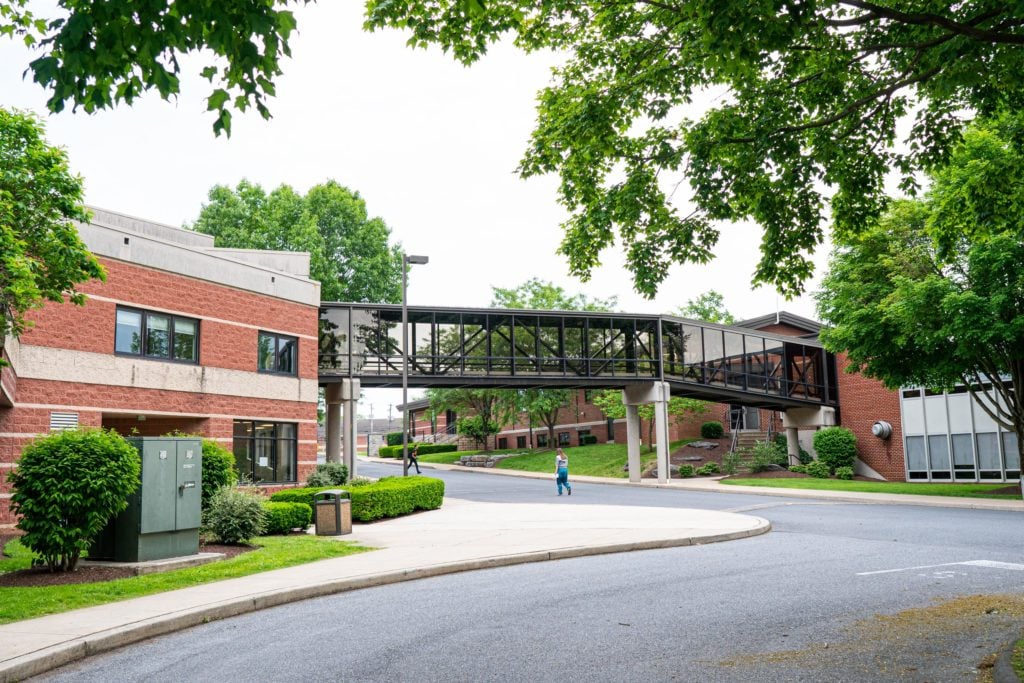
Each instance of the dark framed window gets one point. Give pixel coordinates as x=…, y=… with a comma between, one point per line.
x=156, y=335
x=542, y=441
x=563, y=439
x=582, y=434
x=265, y=451
x=277, y=353
x=520, y=442
x=503, y=443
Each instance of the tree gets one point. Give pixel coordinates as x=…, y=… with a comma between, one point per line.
x=349, y=251
x=798, y=106
x=933, y=293
x=42, y=257
x=96, y=54
x=537, y=294
x=488, y=409
x=709, y=307
x=544, y=406
x=609, y=401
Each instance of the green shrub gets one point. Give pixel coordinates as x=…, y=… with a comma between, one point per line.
x=836, y=447
x=801, y=469
x=387, y=497
x=817, y=469
x=328, y=474
x=804, y=457
x=283, y=517
x=709, y=468
x=235, y=515
x=425, y=448
x=764, y=455
x=731, y=462
x=712, y=430
x=359, y=481
x=67, y=486
x=218, y=469
x=686, y=471
x=844, y=473
x=393, y=438
x=588, y=440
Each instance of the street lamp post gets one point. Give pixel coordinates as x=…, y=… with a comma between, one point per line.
x=407, y=260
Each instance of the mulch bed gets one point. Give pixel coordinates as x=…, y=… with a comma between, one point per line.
x=40, y=576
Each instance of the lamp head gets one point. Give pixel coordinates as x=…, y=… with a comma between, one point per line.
x=414, y=260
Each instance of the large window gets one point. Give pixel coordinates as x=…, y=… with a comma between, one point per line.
x=265, y=451
x=277, y=353
x=156, y=335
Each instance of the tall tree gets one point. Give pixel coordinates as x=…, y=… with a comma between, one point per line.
x=799, y=109
x=41, y=255
x=482, y=412
x=709, y=307
x=933, y=293
x=349, y=251
x=537, y=294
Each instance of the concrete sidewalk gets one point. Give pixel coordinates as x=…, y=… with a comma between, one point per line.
x=715, y=485
x=461, y=536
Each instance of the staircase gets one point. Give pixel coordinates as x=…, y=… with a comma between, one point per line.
x=744, y=440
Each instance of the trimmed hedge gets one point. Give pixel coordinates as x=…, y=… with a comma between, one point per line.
x=836, y=447
x=425, y=448
x=588, y=440
x=283, y=517
x=389, y=497
x=394, y=438
x=712, y=430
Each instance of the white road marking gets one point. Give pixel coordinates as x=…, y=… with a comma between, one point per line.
x=991, y=564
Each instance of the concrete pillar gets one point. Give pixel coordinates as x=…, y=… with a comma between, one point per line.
x=633, y=442
x=332, y=396
x=793, y=445
x=661, y=430
x=350, y=390
x=638, y=394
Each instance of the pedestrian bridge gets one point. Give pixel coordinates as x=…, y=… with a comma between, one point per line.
x=462, y=347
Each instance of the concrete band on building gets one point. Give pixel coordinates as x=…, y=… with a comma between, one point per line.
x=182, y=336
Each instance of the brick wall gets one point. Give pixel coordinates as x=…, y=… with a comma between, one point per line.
x=863, y=401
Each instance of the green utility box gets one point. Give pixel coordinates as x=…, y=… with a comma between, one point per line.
x=162, y=517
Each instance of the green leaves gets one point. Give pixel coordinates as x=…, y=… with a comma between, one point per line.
x=66, y=486
x=41, y=256
x=777, y=113
x=350, y=254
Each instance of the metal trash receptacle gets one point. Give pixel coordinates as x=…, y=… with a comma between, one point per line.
x=332, y=512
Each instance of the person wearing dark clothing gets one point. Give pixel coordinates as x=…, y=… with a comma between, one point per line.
x=413, y=457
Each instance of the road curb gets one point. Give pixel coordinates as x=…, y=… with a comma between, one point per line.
x=804, y=494
x=55, y=656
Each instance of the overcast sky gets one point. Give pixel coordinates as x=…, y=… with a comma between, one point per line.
x=431, y=145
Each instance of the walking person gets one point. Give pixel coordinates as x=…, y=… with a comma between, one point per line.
x=562, y=471
x=413, y=458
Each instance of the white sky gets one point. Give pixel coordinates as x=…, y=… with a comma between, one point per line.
x=431, y=145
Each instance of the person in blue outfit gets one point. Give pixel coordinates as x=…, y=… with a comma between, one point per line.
x=562, y=471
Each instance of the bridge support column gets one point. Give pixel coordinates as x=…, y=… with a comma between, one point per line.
x=332, y=396
x=633, y=442
x=793, y=445
x=657, y=393
x=350, y=390
x=795, y=419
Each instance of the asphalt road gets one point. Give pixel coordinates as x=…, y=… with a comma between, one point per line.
x=836, y=592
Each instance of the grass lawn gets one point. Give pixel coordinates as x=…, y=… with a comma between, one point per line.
x=275, y=552
x=453, y=457
x=598, y=460
x=898, y=487
x=1018, y=658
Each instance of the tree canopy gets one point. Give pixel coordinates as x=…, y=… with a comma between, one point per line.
x=709, y=307
x=537, y=294
x=42, y=257
x=775, y=112
x=349, y=251
x=932, y=294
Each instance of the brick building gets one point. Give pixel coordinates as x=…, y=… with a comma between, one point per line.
x=182, y=336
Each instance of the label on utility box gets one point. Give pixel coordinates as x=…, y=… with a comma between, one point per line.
x=188, y=466
x=188, y=485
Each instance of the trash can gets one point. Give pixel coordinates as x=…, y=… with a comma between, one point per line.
x=332, y=512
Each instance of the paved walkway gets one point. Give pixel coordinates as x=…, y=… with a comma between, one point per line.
x=461, y=536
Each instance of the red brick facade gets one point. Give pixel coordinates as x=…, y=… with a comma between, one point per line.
x=154, y=400
x=864, y=401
